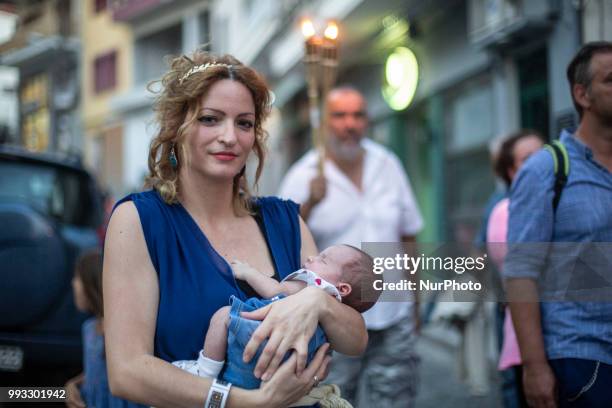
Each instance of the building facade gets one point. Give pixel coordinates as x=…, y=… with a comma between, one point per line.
x=158, y=29
x=45, y=51
x=9, y=76
x=486, y=68
x=106, y=71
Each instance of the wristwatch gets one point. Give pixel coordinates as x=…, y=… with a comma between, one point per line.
x=218, y=393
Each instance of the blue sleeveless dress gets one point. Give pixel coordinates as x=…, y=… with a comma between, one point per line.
x=194, y=280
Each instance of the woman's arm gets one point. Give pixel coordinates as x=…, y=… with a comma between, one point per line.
x=131, y=295
x=290, y=323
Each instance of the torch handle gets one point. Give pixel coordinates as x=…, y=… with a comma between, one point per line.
x=314, y=112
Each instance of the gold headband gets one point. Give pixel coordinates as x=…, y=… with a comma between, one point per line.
x=202, y=67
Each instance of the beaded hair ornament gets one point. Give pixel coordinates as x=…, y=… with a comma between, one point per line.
x=204, y=67
x=201, y=68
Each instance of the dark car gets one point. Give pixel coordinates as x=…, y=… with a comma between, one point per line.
x=50, y=212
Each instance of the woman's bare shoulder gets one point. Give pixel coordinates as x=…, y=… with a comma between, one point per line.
x=125, y=210
x=124, y=225
x=125, y=251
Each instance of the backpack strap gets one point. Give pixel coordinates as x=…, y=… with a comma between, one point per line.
x=561, y=161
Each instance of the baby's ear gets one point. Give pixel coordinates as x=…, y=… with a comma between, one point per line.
x=345, y=289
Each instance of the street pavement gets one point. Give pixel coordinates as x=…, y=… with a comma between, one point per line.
x=440, y=386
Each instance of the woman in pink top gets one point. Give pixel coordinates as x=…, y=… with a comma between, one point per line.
x=513, y=153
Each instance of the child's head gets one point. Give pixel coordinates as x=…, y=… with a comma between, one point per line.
x=87, y=283
x=351, y=271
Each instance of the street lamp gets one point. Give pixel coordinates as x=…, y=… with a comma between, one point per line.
x=321, y=60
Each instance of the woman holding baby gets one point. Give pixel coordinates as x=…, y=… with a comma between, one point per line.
x=167, y=252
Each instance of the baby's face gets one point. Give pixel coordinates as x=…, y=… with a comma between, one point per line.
x=329, y=263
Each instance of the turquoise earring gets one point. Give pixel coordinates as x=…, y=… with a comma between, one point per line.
x=172, y=158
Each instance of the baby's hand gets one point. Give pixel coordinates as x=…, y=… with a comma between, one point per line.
x=241, y=269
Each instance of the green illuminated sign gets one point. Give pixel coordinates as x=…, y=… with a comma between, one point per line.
x=401, y=78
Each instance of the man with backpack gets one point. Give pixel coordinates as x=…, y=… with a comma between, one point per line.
x=564, y=195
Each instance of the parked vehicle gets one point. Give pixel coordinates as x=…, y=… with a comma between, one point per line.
x=50, y=212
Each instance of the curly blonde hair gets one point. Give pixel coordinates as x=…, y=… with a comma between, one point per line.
x=176, y=108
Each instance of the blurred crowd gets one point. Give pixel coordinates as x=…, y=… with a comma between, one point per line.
x=544, y=340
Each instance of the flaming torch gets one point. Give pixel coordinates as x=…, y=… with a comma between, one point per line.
x=329, y=59
x=321, y=60
x=329, y=71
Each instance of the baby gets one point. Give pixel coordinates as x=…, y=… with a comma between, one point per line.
x=342, y=271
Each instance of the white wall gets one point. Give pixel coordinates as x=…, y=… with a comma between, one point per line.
x=276, y=160
x=8, y=23
x=9, y=77
x=445, y=53
x=597, y=24
x=9, y=114
x=135, y=106
x=563, y=45
x=138, y=132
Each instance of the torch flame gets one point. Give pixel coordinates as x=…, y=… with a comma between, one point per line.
x=308, y=29
x=331, y=31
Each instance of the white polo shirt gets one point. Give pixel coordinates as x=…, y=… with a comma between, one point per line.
x=383, y=212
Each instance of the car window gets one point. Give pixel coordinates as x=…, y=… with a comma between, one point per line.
x=64, y=195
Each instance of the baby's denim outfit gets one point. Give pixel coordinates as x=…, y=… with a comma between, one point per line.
x=240, y=331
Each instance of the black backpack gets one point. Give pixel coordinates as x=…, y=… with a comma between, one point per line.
x=562, y=166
